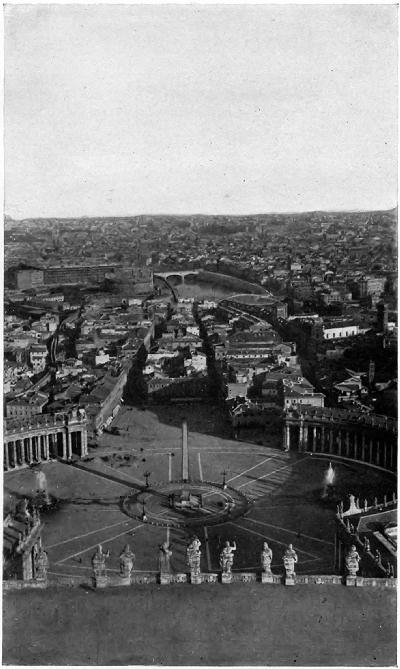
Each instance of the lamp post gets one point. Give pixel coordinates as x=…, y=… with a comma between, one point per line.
x=224, y=473
x=144, y=517
x=146, y=476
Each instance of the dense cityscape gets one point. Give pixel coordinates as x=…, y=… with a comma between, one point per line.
x=76, y=319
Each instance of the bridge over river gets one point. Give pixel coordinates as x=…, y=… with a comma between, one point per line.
x=233, y=282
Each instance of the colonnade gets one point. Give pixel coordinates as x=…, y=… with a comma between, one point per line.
x=44, y=441
x=374, y=447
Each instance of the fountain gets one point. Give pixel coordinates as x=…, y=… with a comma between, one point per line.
x=330, y=475
x=329, y=479
x=43, y=498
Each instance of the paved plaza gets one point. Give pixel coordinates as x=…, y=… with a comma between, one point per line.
x=283, y=492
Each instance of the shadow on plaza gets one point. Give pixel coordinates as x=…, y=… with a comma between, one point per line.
x=61, y=502
x=209, y=419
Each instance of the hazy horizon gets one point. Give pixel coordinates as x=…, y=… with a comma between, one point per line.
x=217, y=109
x=197, y=213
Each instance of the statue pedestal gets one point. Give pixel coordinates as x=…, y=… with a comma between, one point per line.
x=267, y=577
x=195, y=578
x=226, y=578
x=165, y=579
x=100, y=581
x=125, y=580
x=351, y=580
x=290, y=579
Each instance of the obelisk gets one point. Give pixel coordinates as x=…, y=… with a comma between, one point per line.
x=185, y=453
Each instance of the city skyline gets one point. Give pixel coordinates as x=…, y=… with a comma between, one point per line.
x=152, y=110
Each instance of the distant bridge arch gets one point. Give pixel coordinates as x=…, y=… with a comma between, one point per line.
x=177, y=274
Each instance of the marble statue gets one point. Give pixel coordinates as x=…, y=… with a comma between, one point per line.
x=164, y=558
x=353, y=506
x=99, y=561
x=226, y=557
x=266, y=558
x=126, y=561
x=193, y=555
x=290, y=559
x=23, y=510
x=352, y=560
x=41, y=563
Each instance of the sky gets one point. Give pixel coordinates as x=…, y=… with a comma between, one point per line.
x=214, y=109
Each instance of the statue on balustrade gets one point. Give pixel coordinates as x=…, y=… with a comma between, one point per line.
x=226, y=557
x=266, y=558
x=126, y=561
x=290, y=559
x=352, y=560
x=164, y=558
x=41, y=563
x=23, y=512
x=193, y=556
x=99, y=561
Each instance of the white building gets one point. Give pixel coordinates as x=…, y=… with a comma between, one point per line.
x=341, y=331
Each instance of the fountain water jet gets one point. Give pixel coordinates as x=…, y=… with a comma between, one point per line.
x=329, y=475
x=328, y=481
x=41, y=482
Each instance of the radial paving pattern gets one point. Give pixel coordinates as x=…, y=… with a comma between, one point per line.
x=177, y=505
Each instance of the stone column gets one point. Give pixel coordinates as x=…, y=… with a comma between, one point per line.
x=6, y=460
x=339, y=441
x=69, y=447
x=84, y=448
x=371, y=445
x=314, y=438
x=347, y=443
x=378, y=453
x=14, y=449
x=287, y=438
x=322, y=438
x=305, y=437
x=25, y=450
x=19, y=449
x=37, y=441
x=39, y=447
x=64, y=446
x=391, y=455
x=284, y=437
x=46, y=447
x=355, y=435
x=385, y=447
x=363, y=446
x=301, y=436
x=30, y=450
x=52, y=445
x=331, y=440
